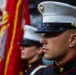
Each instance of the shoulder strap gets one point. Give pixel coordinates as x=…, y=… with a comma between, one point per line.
x=36, y=69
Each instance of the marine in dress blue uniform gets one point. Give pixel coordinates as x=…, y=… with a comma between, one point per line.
x=30, y=67
x=57, y=19
x=31, y=50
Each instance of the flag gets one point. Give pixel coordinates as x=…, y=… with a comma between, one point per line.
x=1, y=66
x=14, y=12
x=1, y=52
x=3, y=32
x=26, y=12
x=13, y=37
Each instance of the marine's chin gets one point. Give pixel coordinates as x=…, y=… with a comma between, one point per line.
x=23, y=57
x=48, y=57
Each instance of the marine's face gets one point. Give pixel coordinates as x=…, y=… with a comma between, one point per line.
x=28, y=52
x=55, y=45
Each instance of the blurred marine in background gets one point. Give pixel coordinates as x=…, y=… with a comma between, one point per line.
x=31, y=51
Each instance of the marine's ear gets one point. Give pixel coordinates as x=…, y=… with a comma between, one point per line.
x=72, y=40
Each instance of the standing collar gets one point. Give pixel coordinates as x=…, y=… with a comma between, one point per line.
x=36, y=63
x=66, y=67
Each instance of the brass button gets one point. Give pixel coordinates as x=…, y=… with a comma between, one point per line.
x=73, y=24
x=25, y=70
x=61, y=69
x=30, y=66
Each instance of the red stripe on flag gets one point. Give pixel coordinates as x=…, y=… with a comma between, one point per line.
x=13, y=37
x=14, y=9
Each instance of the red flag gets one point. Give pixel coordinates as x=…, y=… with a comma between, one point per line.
x=1, y=66
x=1, y=55
x=14, y=9
x=2, y=38
x=26, y=12
x=3, y=33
